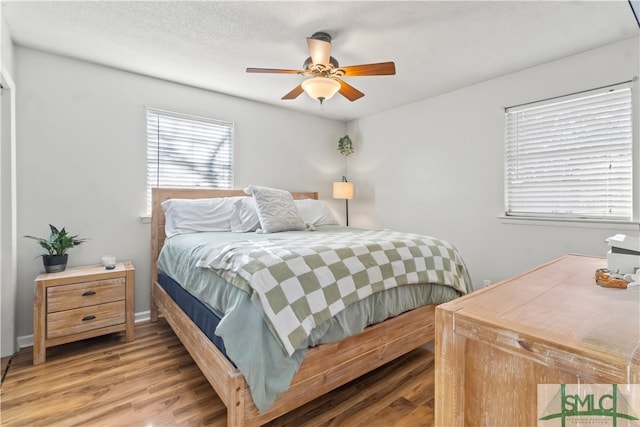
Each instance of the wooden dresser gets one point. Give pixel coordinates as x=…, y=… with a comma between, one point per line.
x=551, y=325
x=80, y=303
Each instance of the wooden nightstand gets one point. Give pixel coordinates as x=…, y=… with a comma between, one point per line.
x=80, y=303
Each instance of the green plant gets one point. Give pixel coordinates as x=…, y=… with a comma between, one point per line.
x=345, y=146
x=59, y=242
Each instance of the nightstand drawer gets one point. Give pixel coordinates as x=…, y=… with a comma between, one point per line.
x=78, y=320
x=80, y=303
x=85, y=294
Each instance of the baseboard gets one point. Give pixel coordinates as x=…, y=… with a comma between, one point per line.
x=27, y=340
x=143, y=316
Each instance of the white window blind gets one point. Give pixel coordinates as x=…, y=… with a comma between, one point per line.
x=187, y=151
x=571, y=156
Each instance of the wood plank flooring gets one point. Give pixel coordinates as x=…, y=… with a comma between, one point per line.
x=152, y=381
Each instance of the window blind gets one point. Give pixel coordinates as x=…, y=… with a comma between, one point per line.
x=571, y=156
x=187, y=151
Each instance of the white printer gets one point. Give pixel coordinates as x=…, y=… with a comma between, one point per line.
x=624, y=254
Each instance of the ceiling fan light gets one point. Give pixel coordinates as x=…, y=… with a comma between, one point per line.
x=320, y=88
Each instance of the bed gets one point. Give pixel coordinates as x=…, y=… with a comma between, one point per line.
x=324, y=367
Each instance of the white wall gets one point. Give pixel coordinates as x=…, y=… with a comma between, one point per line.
x=82, y=153
x=8, y=276
x=436, y=166
x=433, y=167
x=6, y=45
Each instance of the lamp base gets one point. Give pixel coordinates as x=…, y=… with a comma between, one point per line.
x=347, y=210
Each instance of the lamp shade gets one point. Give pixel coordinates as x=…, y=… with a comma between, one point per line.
x=343, y=190
x=320, y=88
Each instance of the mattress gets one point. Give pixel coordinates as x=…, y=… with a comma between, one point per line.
x=248, y=342
x=201, y=315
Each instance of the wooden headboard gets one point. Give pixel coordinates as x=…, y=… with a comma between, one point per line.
x=159, y=195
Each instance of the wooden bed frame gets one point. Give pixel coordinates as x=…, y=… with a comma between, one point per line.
x=325, y=367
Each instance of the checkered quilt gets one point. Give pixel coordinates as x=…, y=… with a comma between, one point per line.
x=301, y=283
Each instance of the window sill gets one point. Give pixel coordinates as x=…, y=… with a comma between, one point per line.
x=571, y=222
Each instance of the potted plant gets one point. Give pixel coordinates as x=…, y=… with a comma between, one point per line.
x=57, y=245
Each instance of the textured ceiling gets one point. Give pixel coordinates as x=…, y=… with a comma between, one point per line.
x=437, y=46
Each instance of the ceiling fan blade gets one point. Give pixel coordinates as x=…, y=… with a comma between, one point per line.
x=294, y=93
x=348, y=91
x=320, y=51
x=379, y=69
x=273, y=70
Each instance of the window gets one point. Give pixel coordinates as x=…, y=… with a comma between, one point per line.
x=187, y=151
x=571, y=157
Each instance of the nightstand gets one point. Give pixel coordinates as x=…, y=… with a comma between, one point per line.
x=80, y=303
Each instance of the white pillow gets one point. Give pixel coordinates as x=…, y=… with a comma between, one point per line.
x=276, y=209
x=194, y=215
x=244, y=217
x=314, y=212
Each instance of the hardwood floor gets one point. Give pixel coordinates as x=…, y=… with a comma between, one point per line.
x=4, y=365
x=152, y=381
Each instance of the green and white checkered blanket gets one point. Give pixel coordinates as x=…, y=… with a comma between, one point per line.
x=301, y=283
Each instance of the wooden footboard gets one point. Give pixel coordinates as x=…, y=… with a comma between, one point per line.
x=325, y=368
x=329, y=366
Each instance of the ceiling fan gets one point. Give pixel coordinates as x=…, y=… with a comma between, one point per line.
x=325, y=73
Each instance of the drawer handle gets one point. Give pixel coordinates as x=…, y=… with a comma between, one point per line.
x=85, y=318
x=88, y=293
x=524, y=345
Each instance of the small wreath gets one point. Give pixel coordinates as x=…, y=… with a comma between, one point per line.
x=345, y=146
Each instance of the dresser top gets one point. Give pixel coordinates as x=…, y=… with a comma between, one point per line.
x=89, y=272
x=559, y=304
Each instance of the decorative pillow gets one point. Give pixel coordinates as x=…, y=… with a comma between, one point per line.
x=194, y=215
x=244, y=217
x=314, y=212
x=276, y=209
